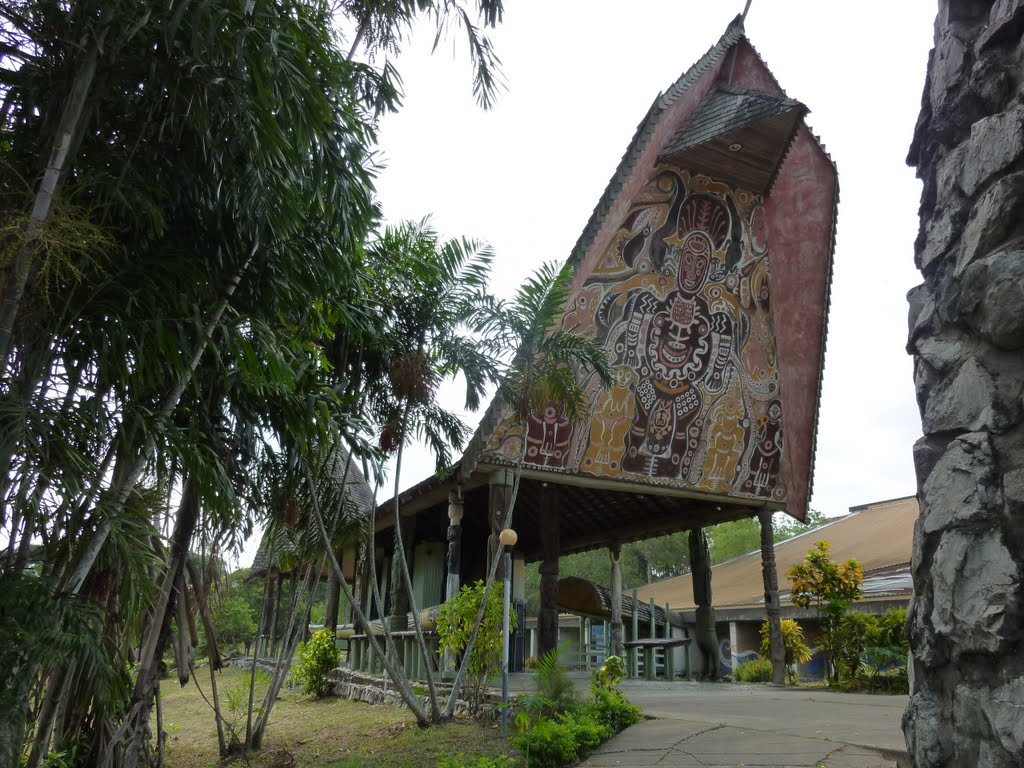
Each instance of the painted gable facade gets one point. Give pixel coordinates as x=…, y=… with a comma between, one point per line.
x=710, y=299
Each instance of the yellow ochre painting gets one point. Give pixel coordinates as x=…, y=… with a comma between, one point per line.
x=682, y=299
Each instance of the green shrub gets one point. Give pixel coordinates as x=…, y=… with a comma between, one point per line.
x=755, y=671
x=796, y=649
x=892, y=629
x=613, y=709
x=547, y=743
x=554, y=684
x=555, y=729
x=455, y=626
x=609, y=674
x=587, y=731
x=854, y=634
x=316, y=660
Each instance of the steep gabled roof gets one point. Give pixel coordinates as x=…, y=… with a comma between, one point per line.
x=645, y=133
x=278, y=545
x=801, y=212
x=640, y=141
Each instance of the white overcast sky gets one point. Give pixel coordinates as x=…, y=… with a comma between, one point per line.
x=580, y=76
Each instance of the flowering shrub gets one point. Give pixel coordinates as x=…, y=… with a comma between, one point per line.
x=316, y=660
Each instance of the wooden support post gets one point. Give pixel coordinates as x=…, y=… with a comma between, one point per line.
x=331, y=602
x=263, y=642
x=706, y=637
x=454, y=565
x=497, y=516
x=584, y=659
x=399, y=596
x=771, y=598
x=734, y=656
x=634, y=662
x=652, y=633
x=359, y=588
x=547, y=619
x=615, y=553
x=670, y=653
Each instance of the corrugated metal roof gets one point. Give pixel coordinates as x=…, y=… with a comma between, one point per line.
x=880, y=537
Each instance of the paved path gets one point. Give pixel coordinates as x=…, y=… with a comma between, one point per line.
x=733, y=724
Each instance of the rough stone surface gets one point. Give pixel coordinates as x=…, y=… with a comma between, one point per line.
x=966, y=332
x=995, y=144
x=994, y=220
x=376, y=689
x=991, y=294
x=964, y=484
x=975, y=592
x=1004, y=710
x=969, y=398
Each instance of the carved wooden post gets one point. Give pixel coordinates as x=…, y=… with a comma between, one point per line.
x=771, y=598
x=399, y=596
x=331, y=602
x=455, y=512
x=634, y=657
x=451, y=587
x=615, y=553
x=547, y=619
x=706, y=637
x=361, y=585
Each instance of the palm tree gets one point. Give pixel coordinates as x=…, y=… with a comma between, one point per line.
x=427, y=290
x=544, y=365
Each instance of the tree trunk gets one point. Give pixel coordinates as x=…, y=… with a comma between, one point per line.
x=66, y=130
x=966, y=621
x=158, y=630
x=200, y=589
x=400, y=553
x=393, y=670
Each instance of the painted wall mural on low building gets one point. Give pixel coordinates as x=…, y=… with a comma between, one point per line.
x=682, y=298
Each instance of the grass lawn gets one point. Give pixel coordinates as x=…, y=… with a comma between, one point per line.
x=309, y=732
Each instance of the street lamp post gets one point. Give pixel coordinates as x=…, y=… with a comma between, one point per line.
x=508, y=539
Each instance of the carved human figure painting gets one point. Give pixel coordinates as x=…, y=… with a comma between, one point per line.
x=681, y=298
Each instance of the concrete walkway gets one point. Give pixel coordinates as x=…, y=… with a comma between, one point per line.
x=734, y=724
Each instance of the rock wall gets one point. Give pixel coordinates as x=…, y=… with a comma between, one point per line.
x=378, y=689
x=967, y=336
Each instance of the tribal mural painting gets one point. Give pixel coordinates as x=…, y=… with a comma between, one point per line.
x=682, y=299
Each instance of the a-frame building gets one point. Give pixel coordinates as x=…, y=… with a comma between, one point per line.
x=705, y=271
